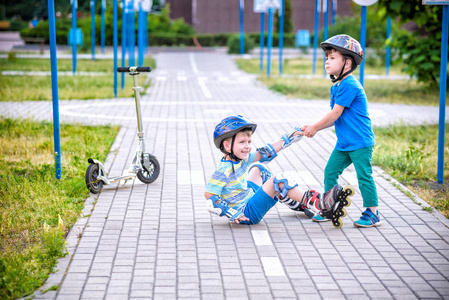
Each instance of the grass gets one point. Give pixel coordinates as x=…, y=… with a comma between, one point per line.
x=36, y=209
x=408, y=153
x=398, y=91
x=25, y=88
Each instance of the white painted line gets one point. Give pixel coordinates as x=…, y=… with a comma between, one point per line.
x=261, y=238
x=308, y=178
x=197, y=178
x=182, y=78
x=350, y=178
x=186, y=177
x=202, y=83
x=272, y=266
x=161, y=78
x=193, y=63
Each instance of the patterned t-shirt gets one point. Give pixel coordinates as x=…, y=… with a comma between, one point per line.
x=229, y=185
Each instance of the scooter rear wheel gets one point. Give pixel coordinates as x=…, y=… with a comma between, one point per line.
x=150, y=172
x=92, y=182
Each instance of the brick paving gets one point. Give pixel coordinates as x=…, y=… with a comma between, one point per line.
x=158, y=241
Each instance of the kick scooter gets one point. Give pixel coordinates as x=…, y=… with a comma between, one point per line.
x=144, y=165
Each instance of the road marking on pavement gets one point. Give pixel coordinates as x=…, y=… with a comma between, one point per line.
x=308, y=178
x=272, y=266
x=193, y=63
x=202, y=83
x=261, y=238
x=187, y=177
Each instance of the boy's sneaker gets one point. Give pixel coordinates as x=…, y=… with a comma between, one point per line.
x=368, y=219
x=318, y=218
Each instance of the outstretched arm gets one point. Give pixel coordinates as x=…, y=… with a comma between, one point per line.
x=327, y=121
x=269, y=152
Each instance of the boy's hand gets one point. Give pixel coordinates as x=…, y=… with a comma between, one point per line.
x=241, y=219
x=308, y=131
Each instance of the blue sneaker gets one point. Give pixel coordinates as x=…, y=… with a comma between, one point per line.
x=318, y=218
x=368, y=219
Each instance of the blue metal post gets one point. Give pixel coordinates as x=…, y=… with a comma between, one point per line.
x=140, y=35
x=262, y=39
x=54, y=86
x=124, y=12
x=115, y=42
x=325, y=32
x=363, y=42
x=270, y=39
x=281, y=35
x=92, y=28
x=131, y=35
x=334, y=11
x=74, y=40
x=242, y=38
x=103, y=24
x=443, y=78
x=388, y=51
x=315, y=35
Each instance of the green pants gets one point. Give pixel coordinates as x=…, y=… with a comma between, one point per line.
x=361, y=158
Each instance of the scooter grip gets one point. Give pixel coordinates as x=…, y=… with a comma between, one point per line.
x=136, y=69
x=123, y=69
x=143, y=69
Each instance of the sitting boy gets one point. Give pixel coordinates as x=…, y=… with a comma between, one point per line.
x=245, y=194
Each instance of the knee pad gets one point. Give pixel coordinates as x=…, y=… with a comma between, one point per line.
x=264, y=172
x=219, y=207
x=287, y=180
x=268, y=153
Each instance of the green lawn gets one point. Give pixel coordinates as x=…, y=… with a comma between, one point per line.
x=24, y=88
x=37, y=210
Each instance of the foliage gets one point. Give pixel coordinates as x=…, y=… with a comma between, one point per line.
x=288, y=23
x=234, y=44
x=37, y=210
x=160, y=25
x=420, y=50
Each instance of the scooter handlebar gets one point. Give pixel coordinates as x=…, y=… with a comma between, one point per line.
x=134, y=69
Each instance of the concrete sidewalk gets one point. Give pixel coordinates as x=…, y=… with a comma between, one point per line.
x=158, y=241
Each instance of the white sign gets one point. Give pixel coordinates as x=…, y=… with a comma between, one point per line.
x=365, y=2
x=261, y=6
x=435, y=2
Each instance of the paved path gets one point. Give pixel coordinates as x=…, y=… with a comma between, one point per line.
x=158, y=241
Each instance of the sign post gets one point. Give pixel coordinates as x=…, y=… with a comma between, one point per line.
x=115, y=42
x=260, y=7
x=74, y=40
x=315, y=35
x=326, y=31
x=54, y=86
x=103, y=25
x=92, y=28
x=388, y=51
x=124, y=12
x=364, y=4
x=242, y=39
x=443, y=79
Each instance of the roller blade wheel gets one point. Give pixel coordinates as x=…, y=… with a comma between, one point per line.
x=343, y=202
x=150, y=171
x=92, y=182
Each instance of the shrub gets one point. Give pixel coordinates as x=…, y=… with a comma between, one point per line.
x=234, y=44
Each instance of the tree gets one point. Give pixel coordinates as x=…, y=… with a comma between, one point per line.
x=288, y=24
x=419, y=50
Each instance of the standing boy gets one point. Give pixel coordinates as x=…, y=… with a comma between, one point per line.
x=245, y=193
x=349, y=114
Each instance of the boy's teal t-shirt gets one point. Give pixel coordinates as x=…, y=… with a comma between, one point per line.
x=353, y=127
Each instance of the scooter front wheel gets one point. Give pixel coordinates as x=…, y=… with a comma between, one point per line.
x=150, y=169
x=92, y=182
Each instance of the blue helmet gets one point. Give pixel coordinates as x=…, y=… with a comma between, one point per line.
x=229, y=127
